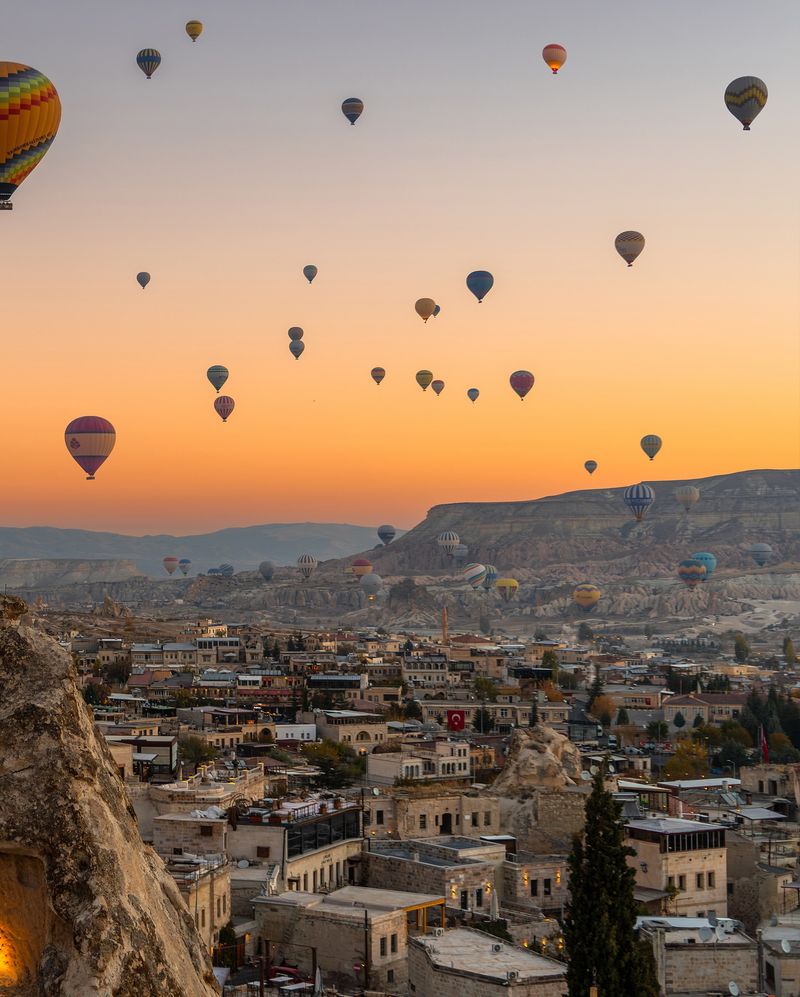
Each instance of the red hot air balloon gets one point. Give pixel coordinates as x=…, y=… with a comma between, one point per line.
x=377, y=374
x=224, y=405
x=170, y=564
x=90, y=440
x=522, y=382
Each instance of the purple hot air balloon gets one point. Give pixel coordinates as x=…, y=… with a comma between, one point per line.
x=224, y=405
x=90, y=439
x=438, y=386
x=521, y=381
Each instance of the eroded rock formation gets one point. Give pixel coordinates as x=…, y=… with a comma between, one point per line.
x=85, y=908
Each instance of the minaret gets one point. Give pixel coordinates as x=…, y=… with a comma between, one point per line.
x=445, y=630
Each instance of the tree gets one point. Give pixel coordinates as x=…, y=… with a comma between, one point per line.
x=227, y=950
x=698, y=720
x=118, y=672
x=484, y=689
x=534, y=717
x=601, y=911
x=413, y=710
x=789, y=655
x=690, y=761
x=781, y=750
x=91, y=694
x=679, y=720
x=550, y=660
x=732, y=754
x=339, y=764
x=585, y=632
x=596, y=688
x=657, y=730
x=567, y=680
x=622, y=717
x=741, y=648
x=603, y=710
x=195, y=749
x=733, y=731
x=718, y=683
x=484, y=721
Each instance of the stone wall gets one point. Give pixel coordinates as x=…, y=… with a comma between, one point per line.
x=406, y=875
x=547, y=821
x=702, y=968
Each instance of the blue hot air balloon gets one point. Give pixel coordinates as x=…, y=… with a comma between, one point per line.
x=352, y=109
x=492, y=574
x=148, y=60
x=184, y=564
x=708, y=560
x=143, y=279
x=436, y=310
x=638, y=499
x=480, y=282
x=296, y=348
x=217, y=375
x=473, y=394
x=386, y=534
x=760, y=553
x=309, y=272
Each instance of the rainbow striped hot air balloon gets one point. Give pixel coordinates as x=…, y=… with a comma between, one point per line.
x=474, y=574
x=148, y=60
x=89, y=441
x=691, y=572
x=377, y=374
x=586, y=596
x=30, y=112
x=352, y=109
x=638, y=499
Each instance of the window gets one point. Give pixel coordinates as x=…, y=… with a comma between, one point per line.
x=548, y=887
x=474, y=819
x=487, y=818
x=700, y=881
x=379, y=816
x=383, y=944
x=670, y=882
x=711, y=879
x=423, y=822
x=177, y=851
x=203, y=918
x=224, y=903
x=262, y=851
x=393, y=943
x=206, y=830
x=681, y=882
x=219, y=907
x=479, y=898
x=534, y=887
x=390, y=976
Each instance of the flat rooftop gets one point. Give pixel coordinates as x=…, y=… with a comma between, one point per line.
x=465, y=950
x=672, y=825
x=352, y=901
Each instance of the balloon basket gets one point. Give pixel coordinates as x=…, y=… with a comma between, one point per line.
x=6, y=206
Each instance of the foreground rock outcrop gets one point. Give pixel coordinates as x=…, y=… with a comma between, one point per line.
x=85, y=907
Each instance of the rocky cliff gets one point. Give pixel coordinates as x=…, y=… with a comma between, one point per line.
x=85, y=908
x=37, y=573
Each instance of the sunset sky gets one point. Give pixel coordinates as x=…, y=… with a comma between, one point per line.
x=234, y=167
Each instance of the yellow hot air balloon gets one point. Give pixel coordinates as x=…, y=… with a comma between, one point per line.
x=507, y=587
x=30, y=112
x=425, y=307
x=424, y=378
x=194, y=29
x=586, y=596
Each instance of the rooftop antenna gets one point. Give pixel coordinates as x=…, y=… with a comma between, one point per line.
x=445, y=628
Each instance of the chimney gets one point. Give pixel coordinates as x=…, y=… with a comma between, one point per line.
x=445, y=629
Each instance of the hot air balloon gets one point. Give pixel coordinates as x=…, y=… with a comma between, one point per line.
x=448, y=541
x=708, y=560
x=30, y=112
x=148, y=60
x=745, y=99
x=184, y=564
x=226, y=570
x=223, y=406
x=555, y=56
x=691, y=572
x=438, y=387
x=507, y=587
x=170, y=565
x=460, y=553
x=90, y=440
x=586, y=596
x=521, y=382
x=306, y=563
x=473, y=394
x=310, y=272
x=296, y=348
x=687, y=495
x=760, y=553
x=266, y=569
x=194, y=29
x=424, y=378
x=491, y=577
x=436, y=310
x=377, y=374
x=371, y=585
x=143, y=279
x=480, y=282
x=361, y=566
x=474, y=574
x=629, y=245
x=425, y=307
x=218, y=375
x=591, y=466
x=295, y=334
x=638, y=499
x=651, y=445
x=352, y=109
x=386, y=534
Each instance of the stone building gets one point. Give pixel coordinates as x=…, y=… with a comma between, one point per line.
x=205, y=885
x=539, y=881
x=692, y=960
x=428, y=812
x=468, y=963
x=441, y=759
x=757, y=886
x=780, y=957
x=361, y=731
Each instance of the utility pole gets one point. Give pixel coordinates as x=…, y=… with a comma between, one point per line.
x=367, y=959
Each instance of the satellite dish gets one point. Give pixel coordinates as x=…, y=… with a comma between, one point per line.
x=611, y=769
x=706, y=934
x=242, y=864
x=713, y=920
x=376, y=791
x=720, y=932
x=786, y=946
x=594, y=770
x=586, y=776
x=733, y=989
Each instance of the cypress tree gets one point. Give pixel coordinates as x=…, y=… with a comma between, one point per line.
x=601, y=911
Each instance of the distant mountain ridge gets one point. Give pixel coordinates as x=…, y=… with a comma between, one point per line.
x=244, y=547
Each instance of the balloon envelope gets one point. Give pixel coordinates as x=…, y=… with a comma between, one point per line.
x=386, y=534
x=586, y=596
x=438, y=386
x=591, y=466
x=310, y=272
x=361, y=566
x=425, y=307
x=448, y=540
x=143, y=279
x=266, y=570
x=491, y=576
x=436, y=310
x=371, y=584
x=521, y=382
x=507, y=587
x=760, y=553
x=184, y=564
x=148, y=60
x=555, y=56
x=638, y=499
x=480, y=282
x=194, y=29
x=226, y=570
x=296, y=334
x=691, y=572
x=90, y=439
x=424, y=378
x=352, y=109
x=708, y=560
x=687, y=495
x=296, y=348
x=651, y=445
x=474, y=574
x=223, y=406
x=745, y=98
x=170, y=564
x=629, y=245
x=218, y=375
x=306, y=563
x=460, y=553
x=377, y=374
x=30, y=112
x=473, y=394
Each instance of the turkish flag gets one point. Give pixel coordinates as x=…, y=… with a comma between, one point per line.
x=456, y=720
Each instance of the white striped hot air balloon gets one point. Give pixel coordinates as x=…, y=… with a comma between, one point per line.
x=306, y=563
x=448, y=541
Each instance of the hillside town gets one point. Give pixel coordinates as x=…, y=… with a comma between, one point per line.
x=352, y=812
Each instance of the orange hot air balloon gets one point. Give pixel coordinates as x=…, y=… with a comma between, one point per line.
x=30, y=112
x=555, y=56
x=361, y=566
